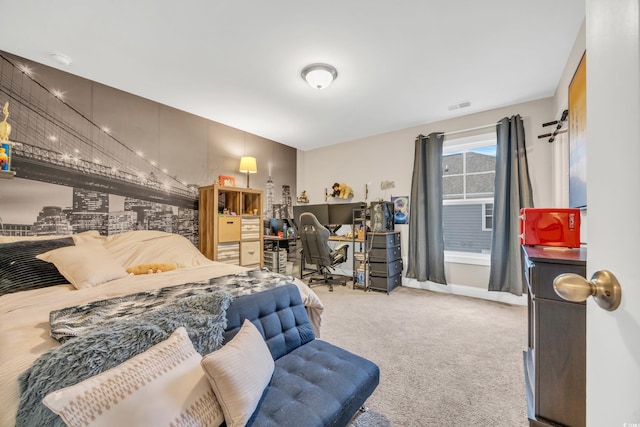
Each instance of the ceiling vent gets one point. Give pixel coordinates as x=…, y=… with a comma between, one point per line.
x=463, y=104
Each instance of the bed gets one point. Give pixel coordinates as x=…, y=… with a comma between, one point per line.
x=94, y=269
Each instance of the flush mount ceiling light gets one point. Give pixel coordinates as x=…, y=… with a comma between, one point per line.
x=319, y=76
x=61, y=58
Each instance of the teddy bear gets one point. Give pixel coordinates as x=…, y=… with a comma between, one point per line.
x=303, y=197
x=342, y=190
x=150, y=268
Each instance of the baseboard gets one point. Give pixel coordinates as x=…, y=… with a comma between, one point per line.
x=467, y=291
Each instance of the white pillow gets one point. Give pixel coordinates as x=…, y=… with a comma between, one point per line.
x=79, y=237
x=239, y=372
x=161, y=386
x=90, y=236
x=154, y=247
x=86, y=265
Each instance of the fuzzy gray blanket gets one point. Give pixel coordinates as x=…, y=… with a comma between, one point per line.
x=104, y=347
x=76, y=321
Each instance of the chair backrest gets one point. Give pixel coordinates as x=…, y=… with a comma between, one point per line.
x=279, y=315
x=315, y=240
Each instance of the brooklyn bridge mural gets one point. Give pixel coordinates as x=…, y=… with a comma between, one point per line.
x=90, y=157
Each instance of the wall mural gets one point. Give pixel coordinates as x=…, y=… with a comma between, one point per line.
x=90, y=157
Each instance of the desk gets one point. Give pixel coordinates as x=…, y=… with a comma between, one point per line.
x=344, y=239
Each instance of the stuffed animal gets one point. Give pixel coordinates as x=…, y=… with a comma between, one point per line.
x=151, y=268
x=341, y=190
x=302, y=198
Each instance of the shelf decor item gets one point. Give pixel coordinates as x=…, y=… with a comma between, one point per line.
x=227, y=181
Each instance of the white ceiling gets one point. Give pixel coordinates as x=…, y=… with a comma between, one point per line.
x=400, y=63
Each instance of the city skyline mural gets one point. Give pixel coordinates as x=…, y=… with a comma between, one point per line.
x=88, y=156
x=35, y=208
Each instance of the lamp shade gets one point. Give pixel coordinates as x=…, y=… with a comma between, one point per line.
x=319, y=76
x=248, y=165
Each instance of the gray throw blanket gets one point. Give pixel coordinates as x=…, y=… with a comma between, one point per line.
x=78, y=320
x=106, y=346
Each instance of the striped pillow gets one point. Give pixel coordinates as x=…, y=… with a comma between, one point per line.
x=162, y=386
x=20, y=270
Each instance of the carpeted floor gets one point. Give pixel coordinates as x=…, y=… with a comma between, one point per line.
x=370, y=419
x=445, y=360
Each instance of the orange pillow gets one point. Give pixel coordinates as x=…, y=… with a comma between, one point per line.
x=150, y=268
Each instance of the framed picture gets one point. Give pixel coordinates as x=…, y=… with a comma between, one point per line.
x=578, y=137
x=227, y=181
x=401, y=209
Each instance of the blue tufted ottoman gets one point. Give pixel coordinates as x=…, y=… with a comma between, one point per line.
x=314, y=383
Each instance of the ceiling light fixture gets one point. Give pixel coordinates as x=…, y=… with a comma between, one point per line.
x=61, y=58
x=319, y=76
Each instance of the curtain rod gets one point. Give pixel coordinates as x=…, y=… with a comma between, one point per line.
x=455, y=132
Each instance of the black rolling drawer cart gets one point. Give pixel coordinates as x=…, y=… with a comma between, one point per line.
x=385, y=260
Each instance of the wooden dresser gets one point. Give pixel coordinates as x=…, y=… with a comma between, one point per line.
x=230, y=225
x=555, y=362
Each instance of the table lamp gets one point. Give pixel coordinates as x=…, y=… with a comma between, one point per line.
x=248, y=166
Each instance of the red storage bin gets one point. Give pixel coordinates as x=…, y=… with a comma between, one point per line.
x=550, y=227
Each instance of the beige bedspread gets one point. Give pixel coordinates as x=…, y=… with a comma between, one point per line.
x=24, y=319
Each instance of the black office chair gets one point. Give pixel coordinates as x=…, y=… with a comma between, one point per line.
x=316, y=250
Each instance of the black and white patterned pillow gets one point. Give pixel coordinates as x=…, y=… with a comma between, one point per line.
x=20, y=270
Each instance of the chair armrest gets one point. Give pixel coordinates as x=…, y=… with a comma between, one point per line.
x=341, y=246
x=339, y=254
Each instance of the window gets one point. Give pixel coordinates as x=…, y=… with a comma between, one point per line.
x=487, y=217
x=468, y=176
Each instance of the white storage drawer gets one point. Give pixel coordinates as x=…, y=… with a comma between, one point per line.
x=250, y=253
x=229, y=252
x=250, y=228
x=276, y=261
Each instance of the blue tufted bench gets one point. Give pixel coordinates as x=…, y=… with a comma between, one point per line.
x=314, y=383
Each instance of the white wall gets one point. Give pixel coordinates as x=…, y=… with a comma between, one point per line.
x=368, y=162
x=389, y=157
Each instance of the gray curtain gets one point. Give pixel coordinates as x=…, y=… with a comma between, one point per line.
x=426, y=237
x=512, y=192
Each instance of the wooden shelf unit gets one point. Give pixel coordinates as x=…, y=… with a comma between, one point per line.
x=231, y=226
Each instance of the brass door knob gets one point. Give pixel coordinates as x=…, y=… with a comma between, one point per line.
x=604, y=287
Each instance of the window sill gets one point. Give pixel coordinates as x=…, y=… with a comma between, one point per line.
x=467, y=258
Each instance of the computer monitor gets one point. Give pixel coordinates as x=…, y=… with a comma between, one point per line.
x=342, y=213
x=320, y=211
x=275, y=224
